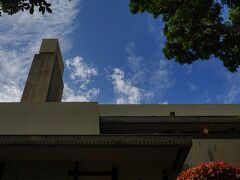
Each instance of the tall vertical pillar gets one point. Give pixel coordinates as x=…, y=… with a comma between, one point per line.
x=44, y=82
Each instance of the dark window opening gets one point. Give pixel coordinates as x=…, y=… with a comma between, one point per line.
x=113, y=174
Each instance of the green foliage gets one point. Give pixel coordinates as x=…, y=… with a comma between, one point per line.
x=11, y=7
x=195, y=29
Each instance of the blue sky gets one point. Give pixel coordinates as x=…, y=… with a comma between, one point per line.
x=111, y=56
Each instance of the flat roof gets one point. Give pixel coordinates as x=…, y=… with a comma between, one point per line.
x=75, y=118
x=146, y=109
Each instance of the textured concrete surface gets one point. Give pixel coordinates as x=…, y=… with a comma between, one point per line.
x=49, y=118
x=52, y=46
x=206, y=150
x=44, y=83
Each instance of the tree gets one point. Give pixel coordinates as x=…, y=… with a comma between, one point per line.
x=195, y=29
x=11, y=7
x=211, y=171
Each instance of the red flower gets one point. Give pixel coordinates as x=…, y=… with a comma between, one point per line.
x=211, y=171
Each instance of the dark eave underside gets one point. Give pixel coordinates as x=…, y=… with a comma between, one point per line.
x=170, y=119
x=191, y=126
x=94, y=140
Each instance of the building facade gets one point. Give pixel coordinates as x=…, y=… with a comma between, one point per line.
x=43, y=138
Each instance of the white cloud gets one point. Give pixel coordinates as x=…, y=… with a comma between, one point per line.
x=164, y=102
x=189, y=68
x=147, y=78
x=231, y=93
x=143, y=72
x=126, y=92
x=193, y=87
x=10, y=93
x=78, y=95
x=156, y=29
x=81, y=74
x=205, y=97
x=20, y=37
x=136, y=64
x=161, y=79
x=80, y=71
x=154, y=72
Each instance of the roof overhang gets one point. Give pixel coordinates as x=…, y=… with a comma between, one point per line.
x=166, y=152
x=220, y=126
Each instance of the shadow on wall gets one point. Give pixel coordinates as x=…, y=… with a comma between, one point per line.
x=206, y=150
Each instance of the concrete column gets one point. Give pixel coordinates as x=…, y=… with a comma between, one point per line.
x=44, y=83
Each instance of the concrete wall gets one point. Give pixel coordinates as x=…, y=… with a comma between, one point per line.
x=44, y=83
x=52, y=46
x=49, y=118
x=206, y=150
x=39, y=78
x=55, y=88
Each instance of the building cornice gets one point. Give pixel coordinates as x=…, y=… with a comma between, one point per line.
x=94, y=140
x=169, y=119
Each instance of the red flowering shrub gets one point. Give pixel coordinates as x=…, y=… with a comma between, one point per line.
x=211, y=171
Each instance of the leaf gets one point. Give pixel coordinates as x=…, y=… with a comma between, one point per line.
x=44, y=2
x=43, y=10
x=31, y=11
x=27, y=7
x=49, y=10
x=25, y=4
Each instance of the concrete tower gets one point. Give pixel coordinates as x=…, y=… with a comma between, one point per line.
x=44, y=83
